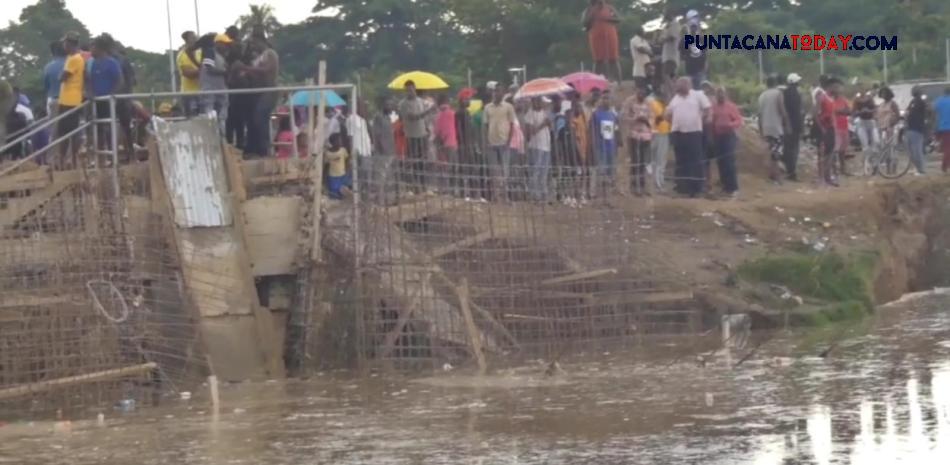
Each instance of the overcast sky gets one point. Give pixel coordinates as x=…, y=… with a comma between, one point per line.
x=143, y=23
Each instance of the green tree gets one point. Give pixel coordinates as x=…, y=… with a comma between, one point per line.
x=260, y=18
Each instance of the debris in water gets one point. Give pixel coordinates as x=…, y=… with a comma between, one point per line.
x=780, y=209
x=239, y=411
x=100, y=420
x=185, y=395
x=710, y=399
x=126, y=405
x=447, y=367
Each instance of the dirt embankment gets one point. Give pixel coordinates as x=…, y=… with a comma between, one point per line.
x=900, y=225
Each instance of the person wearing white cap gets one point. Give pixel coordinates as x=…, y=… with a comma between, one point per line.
x=792, y=140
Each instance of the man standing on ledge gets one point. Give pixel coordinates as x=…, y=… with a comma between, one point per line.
x=188, y=73
x=70, y=95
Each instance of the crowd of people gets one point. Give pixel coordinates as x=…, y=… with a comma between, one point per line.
x=487, y=144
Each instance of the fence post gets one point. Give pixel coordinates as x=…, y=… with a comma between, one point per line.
x=115, y=145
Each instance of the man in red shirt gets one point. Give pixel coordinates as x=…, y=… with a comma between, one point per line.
x=826, y=125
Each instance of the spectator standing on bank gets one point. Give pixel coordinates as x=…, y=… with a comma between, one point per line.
x=499, y=120
x=687, y=110
x=538, y=125
x=942, y=110
x=660, y=143
x=918, y=122
x=773, y=121
x=792, y=142
x=726, y=120
x=600, y=21
x=636, y=117
x=446, y=139
x=413, y=112
x=605, y=130
x=641, y=53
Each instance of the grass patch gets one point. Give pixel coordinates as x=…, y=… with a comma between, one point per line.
x=841, y=283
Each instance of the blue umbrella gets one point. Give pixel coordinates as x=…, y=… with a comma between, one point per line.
x=306, y=98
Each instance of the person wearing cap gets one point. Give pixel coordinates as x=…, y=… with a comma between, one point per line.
x=72, y=83
x=773, y=124
x=793, y=107
x=213, y=76
x=694, y=59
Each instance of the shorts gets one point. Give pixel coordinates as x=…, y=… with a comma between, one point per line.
x=775, y=147
x=68, y=123
x=335, y=185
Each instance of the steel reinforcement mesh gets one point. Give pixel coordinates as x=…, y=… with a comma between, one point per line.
x=92, y=307
x=435, y=260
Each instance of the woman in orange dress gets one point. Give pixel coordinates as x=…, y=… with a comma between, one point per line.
x=600, y=21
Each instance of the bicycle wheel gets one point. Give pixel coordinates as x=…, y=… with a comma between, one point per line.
x=871, y=162
x=894, y=163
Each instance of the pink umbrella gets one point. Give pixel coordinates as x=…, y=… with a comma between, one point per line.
x=585, y=82
x=542, y=87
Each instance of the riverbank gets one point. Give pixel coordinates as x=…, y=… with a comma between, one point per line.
x=800, y=251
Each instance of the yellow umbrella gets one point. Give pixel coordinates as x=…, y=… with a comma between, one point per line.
x=422, y=79
x=475, y=105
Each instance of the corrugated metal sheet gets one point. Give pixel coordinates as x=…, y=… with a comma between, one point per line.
x=193, y=166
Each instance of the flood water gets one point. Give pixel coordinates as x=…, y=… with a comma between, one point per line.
x=881, y=396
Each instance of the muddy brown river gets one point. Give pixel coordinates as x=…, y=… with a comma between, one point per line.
x=881, y=396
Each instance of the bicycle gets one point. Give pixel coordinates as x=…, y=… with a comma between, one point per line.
x=886, y=159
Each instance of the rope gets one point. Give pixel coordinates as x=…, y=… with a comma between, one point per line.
x=115, y=292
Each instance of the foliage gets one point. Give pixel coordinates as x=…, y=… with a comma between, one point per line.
x=259, y=18
x=828, y=277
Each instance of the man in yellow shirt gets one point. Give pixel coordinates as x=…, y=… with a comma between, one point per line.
x=188, y=72
x=660, y=144
x=72, y=83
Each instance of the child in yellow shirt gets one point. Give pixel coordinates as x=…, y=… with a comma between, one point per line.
x=338, y=179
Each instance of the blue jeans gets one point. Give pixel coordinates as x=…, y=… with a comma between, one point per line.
x=726, y=149
x=499, y=165
x=540, y=162
x=606, y=166
x=915, y=145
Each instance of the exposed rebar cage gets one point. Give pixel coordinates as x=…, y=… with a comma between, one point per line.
x=455, y=266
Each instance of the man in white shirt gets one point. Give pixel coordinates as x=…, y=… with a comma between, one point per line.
x=538, y=134
x=640, y=51
x=687, y=110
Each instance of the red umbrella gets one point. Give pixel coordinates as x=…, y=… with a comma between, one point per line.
x=542, y=87
x=467, y=93
x=586, y=82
